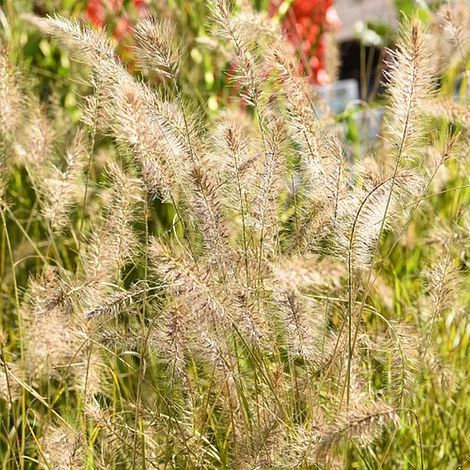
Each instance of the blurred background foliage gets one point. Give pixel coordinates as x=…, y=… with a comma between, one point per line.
x=205, y=74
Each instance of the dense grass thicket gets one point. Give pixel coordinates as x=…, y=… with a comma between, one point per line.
x=226, y=279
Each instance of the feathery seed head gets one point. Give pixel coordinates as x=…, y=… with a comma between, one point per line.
x=155, y=47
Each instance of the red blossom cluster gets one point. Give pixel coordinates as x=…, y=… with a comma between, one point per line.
x=113, y=12
x=305, y=24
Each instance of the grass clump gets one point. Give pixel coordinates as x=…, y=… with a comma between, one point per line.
x=289, y=312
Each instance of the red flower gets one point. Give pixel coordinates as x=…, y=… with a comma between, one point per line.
x=304, y=25
x=141, y=6
x=123, y=26
x=95, y=13
x=315, y=8
x=105, y=12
